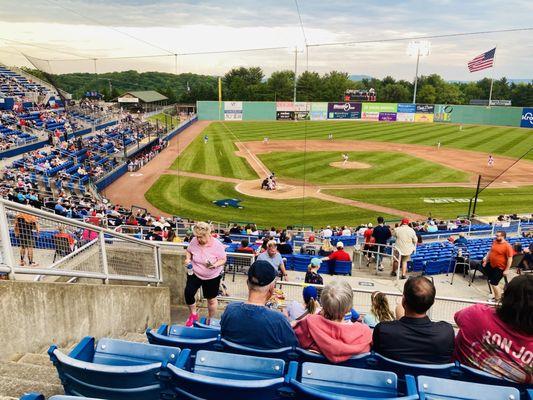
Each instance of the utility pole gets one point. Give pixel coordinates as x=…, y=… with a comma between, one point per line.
x=295, y=72
x=110, y=88
x=416, y=75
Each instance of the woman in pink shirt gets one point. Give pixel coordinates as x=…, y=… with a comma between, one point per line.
x=327, y=332
x=500, y=340
x=207, y=257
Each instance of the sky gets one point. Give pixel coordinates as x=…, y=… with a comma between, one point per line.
x=63, y=36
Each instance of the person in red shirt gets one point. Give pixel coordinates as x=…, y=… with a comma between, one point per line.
x=499, y=340
x=497, y=262
x=368, y=248
x=339, y=255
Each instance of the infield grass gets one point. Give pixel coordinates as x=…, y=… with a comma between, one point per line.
x=494, y=201
x=385, y=168
x=192, y=198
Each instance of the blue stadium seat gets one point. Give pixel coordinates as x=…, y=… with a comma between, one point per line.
x=38, y=396
x=113, y=369
x=184, y=337
x=227, y=376
x=530, y=394
x=320, y=381
x=343, y=267
x=284, y=353
x=358, y=361
x=442, y=389
x=214, y=324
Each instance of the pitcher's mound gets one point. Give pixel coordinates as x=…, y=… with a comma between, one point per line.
x=350, y=165
x=283, y=191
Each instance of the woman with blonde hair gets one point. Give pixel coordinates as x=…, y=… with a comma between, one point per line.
x=204, y=260
x=379, y=310
x=326, y=249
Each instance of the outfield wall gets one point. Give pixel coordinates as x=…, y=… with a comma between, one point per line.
x=390, y=112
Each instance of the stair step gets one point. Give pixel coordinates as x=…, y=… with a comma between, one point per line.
x=35, y=359
x=17, y=387
x=19, y=378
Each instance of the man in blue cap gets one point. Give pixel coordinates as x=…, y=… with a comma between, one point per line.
x=251, y=323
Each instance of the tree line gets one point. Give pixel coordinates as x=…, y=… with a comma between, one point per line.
x=250, y=84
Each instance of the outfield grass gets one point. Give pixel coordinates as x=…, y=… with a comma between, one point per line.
x=216, y=157
x=494, y=201
x=193, y=198
x=386, y=168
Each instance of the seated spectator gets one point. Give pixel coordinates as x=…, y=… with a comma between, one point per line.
x=414, y=338
x=339, y=255
x=62, y=234
x=527, y=262
x=327, y=332
x=253, y=324
x=312, y=276
x=225, y=238
x=272, y=256
x=245, y=247
x=283, y=246
x=156, y=234
x=326, y=249
x=461, y=240
x=310, y=247
x=379, y=310
x=295, y=311
x=499, y=340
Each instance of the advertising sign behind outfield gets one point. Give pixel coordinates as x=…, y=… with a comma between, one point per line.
x=285, y=106
x=284, y=115
x=406, y=108
x=319, y=111
x=424, y=117
x=233, y=110
x=405, y=117
x=380, y=107
x=387, y=116
x=527, y=118
x=370, y=116
x=425, y=108
x=344, y=110
x=443, y=113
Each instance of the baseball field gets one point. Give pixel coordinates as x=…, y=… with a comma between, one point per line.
x=392, y=169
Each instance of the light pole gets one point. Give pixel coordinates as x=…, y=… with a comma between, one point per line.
x=418, y=48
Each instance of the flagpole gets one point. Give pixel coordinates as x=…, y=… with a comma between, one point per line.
x=492, y=75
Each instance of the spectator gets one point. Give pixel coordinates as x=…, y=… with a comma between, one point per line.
x=327, y=332
x=312, y=276
x=207, y=256
x=272, y=256
x=379, y=310
x=225, y=238
x=414, y=338
x=295, y=311
x=252, y=323
x=368, y=248
x=327, y=233
x=310, y=247
x=156, y=234
x=497, y=262
x=381, y=234
x=283, y=246
x=499, y=340
x=25, y=224
x=339, y=255
x=62, y=234
x=326, y=249
x=245, y=248
x=461, y=240
x=172, y=237
x=405, y=245
x=527, y=262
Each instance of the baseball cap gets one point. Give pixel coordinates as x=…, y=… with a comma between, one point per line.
x=309, y=292
x=340, y=244
x=369, y=225
x=405, y=221
x=315, y=262
x=261, y=273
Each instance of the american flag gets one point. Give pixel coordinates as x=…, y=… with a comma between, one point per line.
x=483, y=61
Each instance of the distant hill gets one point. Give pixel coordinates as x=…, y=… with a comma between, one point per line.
x=357, y=78
x=510, y=80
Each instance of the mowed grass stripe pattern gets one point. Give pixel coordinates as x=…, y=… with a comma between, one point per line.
x=507, y=141
x=193, y=198
x=494, y=201
x=387, y=167
x=216, y=157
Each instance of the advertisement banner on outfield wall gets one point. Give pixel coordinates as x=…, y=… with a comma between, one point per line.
x=387, y=116
x=527, y=118
x=233, y=110
x=406, y=108
x=424, y=117
x=344, y=110
x=285, y=106
x=285, y=115
x=443, y=113
x=319, y=111
x=302, y=106
x=405, y=117
x=425, y=108
x=380, y=107
x=370, y=116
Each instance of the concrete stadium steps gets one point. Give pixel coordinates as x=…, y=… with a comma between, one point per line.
x=34, y=372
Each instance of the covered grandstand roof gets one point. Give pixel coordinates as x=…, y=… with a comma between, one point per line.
x=146, y=96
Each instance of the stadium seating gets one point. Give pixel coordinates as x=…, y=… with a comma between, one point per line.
x=113, y=369
x=193, y=339
x=38, y=396
x=438, y=388
x=203, y=323
x=227, y=376
x=319, y=381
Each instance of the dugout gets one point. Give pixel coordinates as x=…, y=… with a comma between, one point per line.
x=145, y=100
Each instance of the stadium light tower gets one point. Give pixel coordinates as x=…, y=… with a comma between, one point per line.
x=418, y=48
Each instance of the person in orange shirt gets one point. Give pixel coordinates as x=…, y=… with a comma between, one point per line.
x=497, y=262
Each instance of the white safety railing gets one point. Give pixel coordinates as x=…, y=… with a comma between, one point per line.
x=41, y=244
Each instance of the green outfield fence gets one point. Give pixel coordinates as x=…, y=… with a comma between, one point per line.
x=391, y=112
